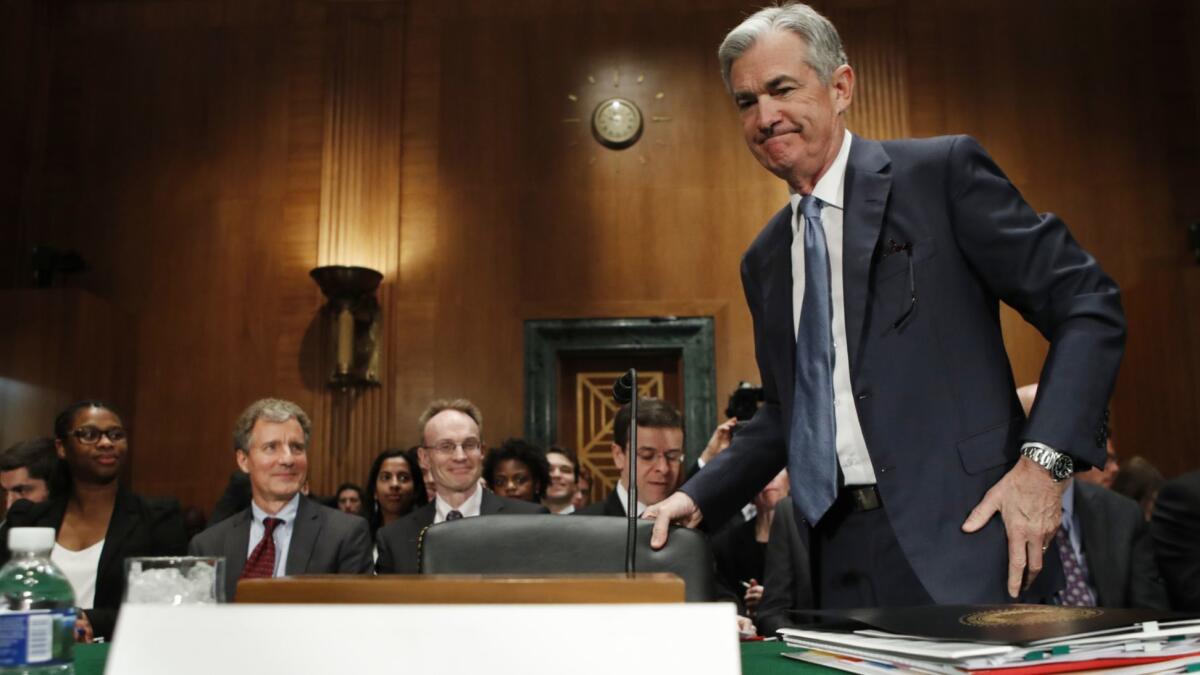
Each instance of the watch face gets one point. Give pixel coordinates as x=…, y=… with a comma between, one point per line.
x=1063, y=468
x=617, y=123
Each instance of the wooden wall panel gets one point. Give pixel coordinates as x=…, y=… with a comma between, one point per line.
x=205, y=155
x=1095, y=128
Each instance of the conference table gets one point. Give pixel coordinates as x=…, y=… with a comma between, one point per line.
x=758, y=658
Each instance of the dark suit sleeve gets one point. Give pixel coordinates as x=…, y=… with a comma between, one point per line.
x=354, y=557
x=1146, y=587
x=786, y=577
x=758, y=450
x=1033, y=264
x=1175, y=528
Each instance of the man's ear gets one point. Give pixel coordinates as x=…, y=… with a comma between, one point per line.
x=619, y=458
x=842, y=84
x=422, y=458
x=243, y=460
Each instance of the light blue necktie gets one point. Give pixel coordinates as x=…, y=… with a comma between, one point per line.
x=812, y=451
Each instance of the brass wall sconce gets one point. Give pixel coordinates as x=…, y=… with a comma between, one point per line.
x=353, y=323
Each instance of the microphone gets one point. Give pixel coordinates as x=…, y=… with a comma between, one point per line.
x=625, y=391
x=623, y=388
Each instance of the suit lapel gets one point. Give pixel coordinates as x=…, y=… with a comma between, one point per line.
x=124, y=519
x=304, y=537
x=867, y=186
x=489, y=504
x=777, y=301
x=235, y=550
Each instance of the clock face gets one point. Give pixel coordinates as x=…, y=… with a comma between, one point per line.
x=617, y=123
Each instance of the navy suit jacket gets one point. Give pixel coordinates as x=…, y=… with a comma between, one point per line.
x=935, y=396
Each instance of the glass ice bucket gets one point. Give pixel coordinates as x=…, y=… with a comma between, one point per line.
x=183, y=580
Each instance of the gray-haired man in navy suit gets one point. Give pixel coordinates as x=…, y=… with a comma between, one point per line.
x=875, y=300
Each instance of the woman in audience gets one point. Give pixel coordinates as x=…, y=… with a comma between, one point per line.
x=394, y=487
x=349, y=499
x=518, y=470
x=99, y=523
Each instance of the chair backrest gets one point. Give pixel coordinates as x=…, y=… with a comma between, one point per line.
x=552, y=544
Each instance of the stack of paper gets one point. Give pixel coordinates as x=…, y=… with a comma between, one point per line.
x=1138, y=648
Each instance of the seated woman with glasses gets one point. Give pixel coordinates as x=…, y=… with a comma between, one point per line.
x=394, y=487
x=99, y=523
x=517, y=470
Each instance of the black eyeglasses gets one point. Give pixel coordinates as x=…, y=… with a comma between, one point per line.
x=91, y=435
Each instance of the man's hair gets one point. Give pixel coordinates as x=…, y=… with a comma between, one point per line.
x=569, y=454
x=825, y=51
x=462, y=405
x=524, y=452
x=65, y=419
x=337, y=494
x=653, y=413
x=37, y=456
x=272, y=410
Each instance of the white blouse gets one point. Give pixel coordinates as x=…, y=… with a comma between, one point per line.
x=80, y=568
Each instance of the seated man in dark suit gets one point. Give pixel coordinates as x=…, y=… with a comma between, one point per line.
x=282, y=532
x=1104, y=540
x=660, y=457
x=452, y=450
x=1175, y=527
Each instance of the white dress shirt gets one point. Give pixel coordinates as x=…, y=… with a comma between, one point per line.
x=623, y=495
x=469, y=508
x=282, y=534
x=851, y=446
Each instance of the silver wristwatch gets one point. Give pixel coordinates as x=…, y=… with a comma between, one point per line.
x=1060, y=465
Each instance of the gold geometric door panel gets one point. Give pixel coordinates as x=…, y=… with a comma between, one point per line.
x=595, y=412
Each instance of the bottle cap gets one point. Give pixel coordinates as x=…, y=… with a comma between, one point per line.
x=31, y=539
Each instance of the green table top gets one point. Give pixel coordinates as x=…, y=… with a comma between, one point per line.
x=758, y=658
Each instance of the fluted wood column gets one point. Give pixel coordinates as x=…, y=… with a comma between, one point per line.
x=359, y=214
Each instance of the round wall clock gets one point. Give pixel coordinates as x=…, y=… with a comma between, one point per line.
x=617, y=123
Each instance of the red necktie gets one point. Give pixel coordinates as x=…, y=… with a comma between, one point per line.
x=261, y=563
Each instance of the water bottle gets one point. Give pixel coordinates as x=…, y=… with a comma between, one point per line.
x=37, y=607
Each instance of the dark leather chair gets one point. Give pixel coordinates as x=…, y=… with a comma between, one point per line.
x=549, y=544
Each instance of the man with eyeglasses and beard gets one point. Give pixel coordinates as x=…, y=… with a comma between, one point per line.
x=452, y=450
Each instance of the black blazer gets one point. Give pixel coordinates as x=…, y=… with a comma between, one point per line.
x=935, y=396
x=1175, y=527
x=398, y=543
x=1118, y=549
x=140, y=526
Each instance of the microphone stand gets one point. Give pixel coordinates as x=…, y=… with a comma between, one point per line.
x=625, y=391
x=631, y=510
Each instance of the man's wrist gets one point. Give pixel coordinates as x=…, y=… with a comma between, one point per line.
x=1059, y=465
